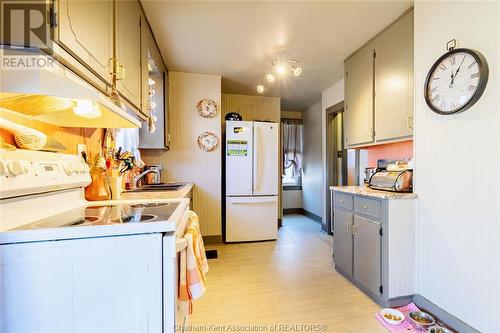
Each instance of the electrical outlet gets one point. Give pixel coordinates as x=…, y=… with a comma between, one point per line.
x=80, y=148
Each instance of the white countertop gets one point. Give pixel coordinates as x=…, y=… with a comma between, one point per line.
x=59, y=233
x=367, y=191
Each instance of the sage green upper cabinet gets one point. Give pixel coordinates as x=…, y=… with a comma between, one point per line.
x=128, y=50
x=359, y=97
x=379, y=87
x=394, y=81
x=86, y=31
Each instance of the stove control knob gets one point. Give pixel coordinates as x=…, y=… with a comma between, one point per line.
x=69, y=168
x=16, y=168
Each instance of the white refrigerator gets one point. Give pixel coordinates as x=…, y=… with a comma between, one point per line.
x=252, y=171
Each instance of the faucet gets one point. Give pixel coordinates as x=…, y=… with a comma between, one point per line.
x=137, y=178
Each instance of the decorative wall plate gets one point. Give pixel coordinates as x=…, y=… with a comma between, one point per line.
x=207, y=108
x=207, y=141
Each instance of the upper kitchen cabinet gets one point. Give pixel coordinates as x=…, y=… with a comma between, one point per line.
x=394, y=81
x=128, y=50
x=85, y=30
x=154, y=81
x=359, y=97
x=379, y=87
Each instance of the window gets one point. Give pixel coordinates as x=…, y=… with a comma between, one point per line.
x=292, y=152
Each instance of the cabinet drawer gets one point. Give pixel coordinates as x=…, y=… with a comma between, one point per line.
x=370, y=207
x=343, y=200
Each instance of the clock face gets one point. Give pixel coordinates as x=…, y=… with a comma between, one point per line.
x=456, y=81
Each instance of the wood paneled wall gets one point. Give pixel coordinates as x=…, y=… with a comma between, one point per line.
x=258, y=108
x=185, y=161
x=69, y=137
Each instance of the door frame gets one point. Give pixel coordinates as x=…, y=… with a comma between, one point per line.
x=331, y=149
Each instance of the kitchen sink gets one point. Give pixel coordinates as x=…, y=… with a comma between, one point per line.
x=159, y=187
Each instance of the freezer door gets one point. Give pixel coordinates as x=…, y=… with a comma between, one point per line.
x=265, y=163
x=251, y=218
x=239, y=156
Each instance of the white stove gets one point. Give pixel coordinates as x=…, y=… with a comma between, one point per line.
x=67, y=264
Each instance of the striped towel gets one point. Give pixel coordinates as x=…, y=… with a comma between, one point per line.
x=193, y=266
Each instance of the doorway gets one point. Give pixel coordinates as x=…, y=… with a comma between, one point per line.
x=336, y=158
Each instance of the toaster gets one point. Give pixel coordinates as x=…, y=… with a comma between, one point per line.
x=395, y=181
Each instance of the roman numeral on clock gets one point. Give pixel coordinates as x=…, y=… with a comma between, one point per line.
x=474, y=75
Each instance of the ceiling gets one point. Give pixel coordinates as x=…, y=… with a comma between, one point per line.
x=239, y=39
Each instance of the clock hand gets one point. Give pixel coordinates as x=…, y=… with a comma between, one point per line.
x=453, y=77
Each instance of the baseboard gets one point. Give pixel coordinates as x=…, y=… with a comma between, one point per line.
x=302, y=211
x=312, y=216
x=447, y=318
x=217, y=239
x=293, y=211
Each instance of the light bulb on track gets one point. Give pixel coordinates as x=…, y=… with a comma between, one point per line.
x=260, y=88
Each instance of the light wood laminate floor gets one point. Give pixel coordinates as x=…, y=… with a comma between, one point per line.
x=289, y=281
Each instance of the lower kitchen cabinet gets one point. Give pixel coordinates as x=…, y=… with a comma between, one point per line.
x=342, y=245
x=366, y=253
x=373, y=244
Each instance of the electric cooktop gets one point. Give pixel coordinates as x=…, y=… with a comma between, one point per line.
x=106, y=215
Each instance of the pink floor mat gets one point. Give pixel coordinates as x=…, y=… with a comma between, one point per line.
x=407, y=325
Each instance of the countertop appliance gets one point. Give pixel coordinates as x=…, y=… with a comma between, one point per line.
x=395, y=181
x=368, y=173
x=118, y=254
x=252, y=170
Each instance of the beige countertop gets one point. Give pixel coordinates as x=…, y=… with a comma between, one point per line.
x=365, y=190
x=183, y=192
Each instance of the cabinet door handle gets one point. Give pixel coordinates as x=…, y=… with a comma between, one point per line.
x=409, y=122
x=354, y=229
x=365, y=206
x=348, y=227
x=342, y=200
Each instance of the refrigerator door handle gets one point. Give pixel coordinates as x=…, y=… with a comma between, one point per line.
x=255, y=158
x=253, y=201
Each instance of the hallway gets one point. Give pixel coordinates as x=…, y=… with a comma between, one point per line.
x=290, y=281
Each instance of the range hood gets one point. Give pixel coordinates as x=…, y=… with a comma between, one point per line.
x=55, y=95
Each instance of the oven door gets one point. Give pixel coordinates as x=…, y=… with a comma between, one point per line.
x=173, y=319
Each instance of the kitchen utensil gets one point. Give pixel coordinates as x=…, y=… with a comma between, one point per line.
x=395, y=181
x=438, y=329
x=421, y=318
x=153, y=177
x=391, y=314
x=30, y=138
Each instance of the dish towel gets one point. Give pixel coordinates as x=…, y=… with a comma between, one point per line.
x=193, y=266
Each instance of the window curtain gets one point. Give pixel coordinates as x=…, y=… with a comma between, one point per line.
x=292, y=145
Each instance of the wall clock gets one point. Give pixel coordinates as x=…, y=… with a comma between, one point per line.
x=456, y=81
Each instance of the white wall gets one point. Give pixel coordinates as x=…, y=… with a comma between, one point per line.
x=312, y=166
x=458, y=223
x=329, y=97
x=292, y=199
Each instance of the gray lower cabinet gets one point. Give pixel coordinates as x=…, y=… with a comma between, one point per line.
x=373, y=245
x=342, y=245
x=366, y=253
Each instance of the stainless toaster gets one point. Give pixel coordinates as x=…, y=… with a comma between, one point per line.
x=395, y=181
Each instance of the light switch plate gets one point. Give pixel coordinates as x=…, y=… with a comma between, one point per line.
x=81, y=147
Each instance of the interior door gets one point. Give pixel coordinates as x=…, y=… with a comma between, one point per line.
x=239, y=157
x=128, y=50
x=342, y=240
x=111, y=284
x=86, y=31
x=266, y=158
x=367, y=262
x=251, y=218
